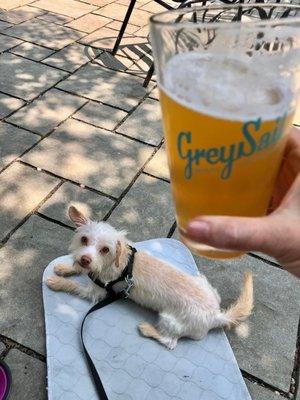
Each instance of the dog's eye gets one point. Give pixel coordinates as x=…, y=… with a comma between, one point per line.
x=104, y=250
x=84, y=240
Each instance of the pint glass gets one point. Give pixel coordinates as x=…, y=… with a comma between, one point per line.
x=228, y=78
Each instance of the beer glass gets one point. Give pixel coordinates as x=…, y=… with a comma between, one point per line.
x=228, y=78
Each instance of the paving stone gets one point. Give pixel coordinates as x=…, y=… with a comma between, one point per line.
x=14, y=69
x=100, y=115
x=138, y=17
x=7, y=42
x=98, y=159
x=268, y=351
x=25, y=256
x=21, y=190
x=8, y=104
x=141, y=67
x=143, y=32
x=21, y=14
x=100, y=3
x=134, y=47
x=10, y=4
x=45, y=113
x=45, y=33
x=146, y=210
x=103, y=38
x=116, y=62
x=55, y=18
x=13, y=142
x=89, y=23
x=72, y=57
x=70, y=8
x=117, y=26
x=29, y=376
x=32, y=51
x=152, y=7
x=144, y=123
x=2, y=347
x=258, y=392
x=158, y=165
x=90, y=203
x=113, y=11
x=110, y=87
x=4, y=25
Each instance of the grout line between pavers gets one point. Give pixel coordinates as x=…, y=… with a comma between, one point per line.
x=74, y=18
x=126, y=190
x=12, y=344
x=37, y=134
x=19, y=126
x=260, y=382
x=68, y=180
x=55, y=221
x=296, y=370
x=113, y=131
x=22, y=222
x=157, y=177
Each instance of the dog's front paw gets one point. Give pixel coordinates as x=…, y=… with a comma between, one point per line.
x=61, y=269
x=55, y=283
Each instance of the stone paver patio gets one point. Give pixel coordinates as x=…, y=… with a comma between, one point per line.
x=77, y=126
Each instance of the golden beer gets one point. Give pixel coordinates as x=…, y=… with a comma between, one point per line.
x=223, y=158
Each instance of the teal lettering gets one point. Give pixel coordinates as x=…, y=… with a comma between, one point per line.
x=228, y=161
x=264, y=141
x=188, y=154
x=212, y=155
x=250, y=140
x=227, y=155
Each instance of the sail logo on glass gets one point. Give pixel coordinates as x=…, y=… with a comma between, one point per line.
x=226, y=156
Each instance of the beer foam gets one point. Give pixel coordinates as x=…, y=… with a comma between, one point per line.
x=225, y=87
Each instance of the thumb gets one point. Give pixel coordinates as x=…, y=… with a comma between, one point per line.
x=237, y=233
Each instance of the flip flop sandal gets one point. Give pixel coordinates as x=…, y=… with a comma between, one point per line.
x=5, y=380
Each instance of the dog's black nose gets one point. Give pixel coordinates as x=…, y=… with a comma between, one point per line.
x=85, y=261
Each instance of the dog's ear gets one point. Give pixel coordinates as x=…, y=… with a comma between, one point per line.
x=120, y=253
x=77, y=217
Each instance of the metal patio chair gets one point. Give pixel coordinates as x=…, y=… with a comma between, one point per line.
x=182, y=4
x=177, y=4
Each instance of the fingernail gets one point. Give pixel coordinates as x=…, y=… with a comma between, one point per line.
x=198, y=228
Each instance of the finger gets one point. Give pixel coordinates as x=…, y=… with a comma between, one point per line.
x=237, y=233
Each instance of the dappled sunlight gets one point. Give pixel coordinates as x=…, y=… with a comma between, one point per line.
x=45, y=33
x=7, y=270
x=99, y=159
x=21, y=188
x=38, y=77
x=146, y=211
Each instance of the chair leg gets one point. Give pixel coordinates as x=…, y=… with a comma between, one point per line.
x=123, y=27
x=149, y=75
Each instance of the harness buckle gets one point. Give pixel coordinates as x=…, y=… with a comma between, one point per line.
x=130, y=285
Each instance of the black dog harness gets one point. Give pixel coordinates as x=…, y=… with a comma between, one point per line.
x=111, y=296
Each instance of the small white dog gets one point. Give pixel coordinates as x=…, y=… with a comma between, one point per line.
x=188, y=306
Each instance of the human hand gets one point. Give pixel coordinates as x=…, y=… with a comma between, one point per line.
x=277, y=234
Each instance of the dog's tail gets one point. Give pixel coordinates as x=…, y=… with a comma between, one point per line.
x=242, y=308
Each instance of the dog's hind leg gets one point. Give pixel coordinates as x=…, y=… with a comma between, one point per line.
x=149, y=330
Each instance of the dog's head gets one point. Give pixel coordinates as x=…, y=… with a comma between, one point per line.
x=97, y=247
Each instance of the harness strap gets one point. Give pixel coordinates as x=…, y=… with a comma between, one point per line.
x=111, y=297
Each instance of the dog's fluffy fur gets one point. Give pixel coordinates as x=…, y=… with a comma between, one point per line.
x=188, y=306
